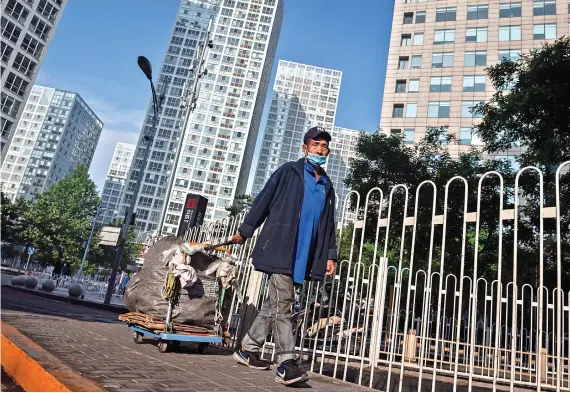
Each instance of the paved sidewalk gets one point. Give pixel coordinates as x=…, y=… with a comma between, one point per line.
x=96, y=345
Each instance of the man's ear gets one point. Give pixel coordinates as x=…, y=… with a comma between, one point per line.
x=304, y=149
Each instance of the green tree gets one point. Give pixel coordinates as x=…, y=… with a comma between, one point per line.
x=531, y=106
x=242, y=203
x=59, y=220
x=13, y=222
x=531, y=109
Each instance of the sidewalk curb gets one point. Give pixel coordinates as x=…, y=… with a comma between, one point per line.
x=35, y=369
x=78, y=302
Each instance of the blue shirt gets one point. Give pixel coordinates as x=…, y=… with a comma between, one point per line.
x=313, y=202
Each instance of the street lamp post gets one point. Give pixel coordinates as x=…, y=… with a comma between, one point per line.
x=146, y=68
x=88, y=245
x=188, y=102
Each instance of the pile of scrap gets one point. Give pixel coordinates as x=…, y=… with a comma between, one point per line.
x=156, y=324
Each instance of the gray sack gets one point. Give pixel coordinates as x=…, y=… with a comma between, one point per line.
x=143, y=292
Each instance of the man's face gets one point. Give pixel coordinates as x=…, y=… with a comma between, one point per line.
x=319, y=146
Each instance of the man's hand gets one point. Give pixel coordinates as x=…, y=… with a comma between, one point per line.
x=330, y=267
x=238, y=239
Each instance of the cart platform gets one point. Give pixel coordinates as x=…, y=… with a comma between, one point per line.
x=171, y=340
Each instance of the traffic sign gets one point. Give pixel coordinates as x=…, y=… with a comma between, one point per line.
x=31, y=250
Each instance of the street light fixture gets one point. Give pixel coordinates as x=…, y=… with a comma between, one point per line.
x=146, y=68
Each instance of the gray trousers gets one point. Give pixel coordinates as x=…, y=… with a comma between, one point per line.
x=275, y=313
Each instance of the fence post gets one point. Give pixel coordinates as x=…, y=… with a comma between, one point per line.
x=379, y=299
x=543, y=365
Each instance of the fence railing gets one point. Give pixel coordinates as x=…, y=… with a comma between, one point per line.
x=417, y=303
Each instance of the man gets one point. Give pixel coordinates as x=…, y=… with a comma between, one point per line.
x=297, y=243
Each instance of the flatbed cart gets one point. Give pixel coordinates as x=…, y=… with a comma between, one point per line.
x=168, y=339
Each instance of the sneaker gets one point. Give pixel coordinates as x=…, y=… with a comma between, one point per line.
x=289, y=373
x=250, y=359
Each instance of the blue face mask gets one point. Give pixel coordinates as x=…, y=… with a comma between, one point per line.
x=315, y=159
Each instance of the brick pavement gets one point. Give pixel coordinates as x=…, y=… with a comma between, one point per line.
x=94, y=344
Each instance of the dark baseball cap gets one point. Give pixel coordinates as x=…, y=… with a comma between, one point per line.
x=317, y=132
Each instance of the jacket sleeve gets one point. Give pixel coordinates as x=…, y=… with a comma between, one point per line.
x=332, y=251
x=261, y=205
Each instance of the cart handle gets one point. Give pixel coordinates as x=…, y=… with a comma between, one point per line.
x=217, y=247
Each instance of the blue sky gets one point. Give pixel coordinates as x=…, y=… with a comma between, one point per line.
x=95, y=48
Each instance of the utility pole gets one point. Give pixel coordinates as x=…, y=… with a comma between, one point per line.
x=187, y=102
x=146, y=67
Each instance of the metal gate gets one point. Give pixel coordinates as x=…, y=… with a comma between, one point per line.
x=399, y=318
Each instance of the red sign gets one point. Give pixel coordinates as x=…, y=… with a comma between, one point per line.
x=190, y=203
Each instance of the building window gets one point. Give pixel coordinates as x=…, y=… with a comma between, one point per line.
x=467, y=108
x=438, y=109
x=39, y=28
x=406, y=40
x=32, y=46
x=16, y=84
x=510, y=10
x=47, y=10
x=477, y=12
x=478, y=34
x=403, y=62
x=24, y=65
x=542, y=7
x=440, y=84
x=417, y=61
x=509, y=33
x=411, y=110
x=510, y=54
x=465, y=135
x=401, y=86
x=6, y=52
x=398, y=110
x=414, y=86
x=421, y=17
x=418, y=39
x=445, y=14
x=473, y=59
x=10, y=105
x=409, y=136
x=442, y=60
x=474, y=83
x=395, y=131
x=542, y=32
x=10, y=30
x=408, y=18
x=444, y=36
x=17, y=11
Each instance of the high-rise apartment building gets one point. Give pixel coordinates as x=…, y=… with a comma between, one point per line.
x=27, y=29
x=114, y=187
x=304, y=96
x=218, y=144
x=439, y=51
x=56, y=132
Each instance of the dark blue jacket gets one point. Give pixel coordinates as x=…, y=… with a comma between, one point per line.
x=279, y=205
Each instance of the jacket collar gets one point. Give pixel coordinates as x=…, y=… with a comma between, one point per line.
x=299, y=167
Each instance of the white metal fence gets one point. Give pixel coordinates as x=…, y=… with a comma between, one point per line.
x=392, y=320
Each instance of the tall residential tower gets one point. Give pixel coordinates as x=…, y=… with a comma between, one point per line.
x=304, y=96
x=27, y=29
x=218, y=144
x=57, y=132
x=114, y=187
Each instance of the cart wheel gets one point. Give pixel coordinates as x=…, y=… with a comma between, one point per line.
x=138, y=337
x=163, y=346
x=202, y=347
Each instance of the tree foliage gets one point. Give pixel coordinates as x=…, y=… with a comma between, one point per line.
x=242, y=203
x=12, y=222
x=59, y=220
x=531, y=106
